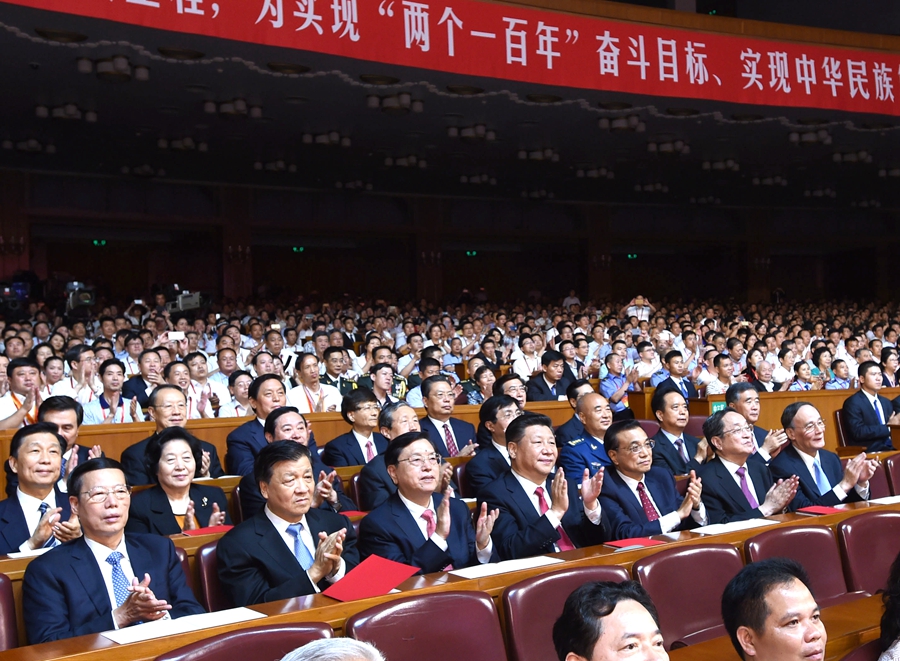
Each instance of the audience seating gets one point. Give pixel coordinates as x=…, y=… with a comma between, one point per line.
x=839, y=428
x=878, y=485
x=237, y=511
x=416, y=628
x=9, y=629
x=459, y=476
x=869, y=544
x=650, y=427
x=211, y=594
x=185, y=566
x=353, y=492
x=670, y=575
x=695, y=425
x=532, y=606
x=892, y=469
x=816, y=549
x=868, y=652
x=267, y=643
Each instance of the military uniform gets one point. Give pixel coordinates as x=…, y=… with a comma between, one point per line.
x=343, y=384
x=581, y=453
x=398, y=389
x=469, y=385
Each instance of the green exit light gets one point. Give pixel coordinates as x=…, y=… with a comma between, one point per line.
x=99, y=242
x=471, y=253
x=298, y=248
x=632, y=255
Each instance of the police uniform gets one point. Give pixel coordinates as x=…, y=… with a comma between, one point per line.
x=346, y=386
x=581, y=453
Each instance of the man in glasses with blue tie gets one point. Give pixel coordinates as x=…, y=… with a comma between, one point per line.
x=37, y=514
x=106, y=579
x=822, y=479
x=289, y=548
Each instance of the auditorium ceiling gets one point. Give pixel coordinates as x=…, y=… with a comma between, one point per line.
x=133, y=102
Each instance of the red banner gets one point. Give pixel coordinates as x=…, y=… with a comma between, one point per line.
x=475, y=38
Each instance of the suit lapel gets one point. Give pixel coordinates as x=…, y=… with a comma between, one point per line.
x=353, y=444
x=202, y=506
x=12, y=525
x=271, y=543
x=520, y=498
x=405, y=521
x=84, y=566
x=730, y=489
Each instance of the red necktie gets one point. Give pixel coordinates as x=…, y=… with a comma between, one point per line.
x=451, y=444
x=370, y=452
x=564, y=543
x=649, y=510
x=430, y=527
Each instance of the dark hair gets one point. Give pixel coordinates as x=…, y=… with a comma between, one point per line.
x=492, y=405
x=73, y=484
x=480, y=372
x=253, y=391
x=497, y=388
x=353, y=400
x=272, y=420
x=61, y=403
x=744, y=599
x=192, y=356
x=147, y=352
x=16, y=363
x=658, y=401
x=30, y=430
x=674, y=353
x=255, y=358
x=154, y=449
x=890, y=621
x=717, y=361
x=112, y=362
x=235, y=375
x=74, y=354
x=516, y=430
x=714, y=425
x=572, y=388
x=330, y=351
x=866, y=366
x=611, y=437
x=790, y=412
x=735, y=390
x=579, y=627
x=219, y=352
x=151, y=400
x=386, y=417
x=551, y=356
x=167, y=370
x=403, y=441
x=275, y=453
x=431, y=382
x=377, y=367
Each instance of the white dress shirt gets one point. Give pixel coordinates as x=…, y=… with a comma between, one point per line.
x=307, y=539
x=671, y=520
x=31, y=508
x=808, y=461
x=737, y=480
x=363, y=441
x=417, y=510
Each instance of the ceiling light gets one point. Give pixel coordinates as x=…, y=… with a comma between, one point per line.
x=345, y=141
x=84, y=65
x=227, y=108
x=404, y=99
x=480, y=130
x=209, y=107
x=402, y=162
x=106, y=71
x=490, y=136
x=603, y=123
x=162, y=143
x=619, y=124
x=388, y=161
x=467, y=132
x=90, y=116
x=652, y=147
x=452, y=132
x=322, y=139
x=42, y=112
x=522, y=154
x=334, y=137
x=256, y=112
x=307, y=139
x=373, y=102
x=257, y=166
x=418, y=106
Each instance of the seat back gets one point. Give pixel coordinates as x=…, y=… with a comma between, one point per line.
x=814, y=547
x=185, y=566
x=671, y=574
x=650, y=427
x=695, y=426
x=267, y=642
x=354, y=488
x=212, y=596
x=237, y=511
x=868, y=652
x=532, y=606
x=892, y=470
x=9, y=630
x=878, y=483
x=869, y=544
x=459, y=476
x=839, y=428
x=416, y=628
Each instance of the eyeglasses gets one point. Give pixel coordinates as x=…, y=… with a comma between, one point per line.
x=510, y=389
x=809, y=427
x=637, y=448
x=168, y=408
x=99, y=495
x=746, y=429
x=418, y=460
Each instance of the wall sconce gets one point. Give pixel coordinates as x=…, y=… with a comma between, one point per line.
x=240, y=255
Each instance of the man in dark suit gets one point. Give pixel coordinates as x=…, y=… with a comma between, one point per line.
x=168, y=408
x=640, y=499
x=289, y=548
x=287, y=424
x=678, y=378
x=107, y=578
x=540, y=513
x=38, y=513
x=866, y=414
x=362, y=443
x=552, y=383
x=492, y=460
x=150, y=377
x=675, y=450
x=822, y=479
x=266, y=393
x=573, y=427
x=450, y=436
x=744, y=399
x=419, y=527
x=736, y=485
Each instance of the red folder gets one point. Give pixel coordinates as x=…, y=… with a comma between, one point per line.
x=634, y=541
x=373, y=577
x=820, y=509
x=212, y=530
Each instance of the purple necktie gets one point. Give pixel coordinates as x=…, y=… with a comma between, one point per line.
x=742, y=473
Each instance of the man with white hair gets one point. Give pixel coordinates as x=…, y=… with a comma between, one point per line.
x=335, y=649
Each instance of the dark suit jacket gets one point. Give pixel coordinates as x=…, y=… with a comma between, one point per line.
x=485, y=467
x=12, y=480
x=861, y=423
x=665, y=455
x=136, y=471
x=63, y=593
x=14, y=530
x=391, y=532
x=344, y=450
x=723, y=497
x=626, y=516
x=520, y=532
x=136, y=387
x=761, y=388
x=375, y=485
x=788, y=462
x=243, y=444
x=669, y=384
x=255, y=565
x=569, y=430
x=462, y=430
x=537, y=390
x=150, y=511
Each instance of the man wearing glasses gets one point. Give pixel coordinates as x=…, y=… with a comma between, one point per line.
x=105, y=579
x=168, y=408
x=640, y=498
x=737, y=484
x=822, y=479
x=416, y=526
x=450, y=436
x=362, y=443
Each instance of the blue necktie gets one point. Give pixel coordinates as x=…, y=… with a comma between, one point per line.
x=300, y=551
x=120, y=583
x=877, y=406
x=62, y=468
x=684, y=389
x=822, y=482
x=553, y=390
x=50, y=543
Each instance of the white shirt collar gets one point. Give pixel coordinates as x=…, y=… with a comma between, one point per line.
x=101, y=552
x=502, y=450
x=528, y=485
x=32, y=504
x=415, y=509
x=280, y=524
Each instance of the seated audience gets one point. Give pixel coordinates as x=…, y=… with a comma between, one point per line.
x=239, y=389
x=362, y=443
x=110, y=407
x=573, y=428
x=18, y=407
x=744, y=399
x=150, y=377
x=484, y=378
x=551, y=384
x=675, y=450
x=450, y=435
x=492, y=460
x=618, y=383
x=265, y=394
x=312, y=396
x=335, y=649
x=587, y=452
x=866, y=414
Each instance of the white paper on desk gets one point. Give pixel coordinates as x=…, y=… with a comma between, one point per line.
x=734, y=526
x=887, y=500
x=28, y=554
x=206, y=479
x=492, y=568
x=469, y=500
x=161, y=628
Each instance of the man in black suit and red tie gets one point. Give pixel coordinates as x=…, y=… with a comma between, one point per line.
x=450, y=436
